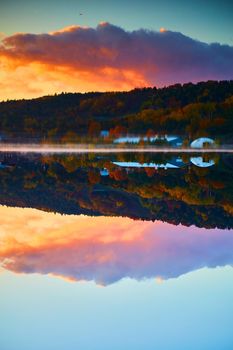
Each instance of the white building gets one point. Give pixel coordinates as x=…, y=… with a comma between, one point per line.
x=199, y=143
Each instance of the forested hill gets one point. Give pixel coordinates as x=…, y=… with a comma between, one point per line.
x=205, y=108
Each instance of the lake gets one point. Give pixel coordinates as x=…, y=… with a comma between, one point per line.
x=116, y=251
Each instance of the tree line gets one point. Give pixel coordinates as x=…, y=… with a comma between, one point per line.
x=201, y=109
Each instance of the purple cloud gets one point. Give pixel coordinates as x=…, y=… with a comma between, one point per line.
x=125, y=248
x=159, y=58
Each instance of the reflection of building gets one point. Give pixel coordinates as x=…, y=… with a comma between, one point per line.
x=201, y=142
x=7, y=160
x=200, y=162
x=173, y=164
x=3, y=166
x=104, y=172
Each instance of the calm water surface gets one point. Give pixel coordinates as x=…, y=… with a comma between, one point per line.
x=117, y=252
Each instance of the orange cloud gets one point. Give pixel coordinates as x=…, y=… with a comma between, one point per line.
x=28, y=80
x=106, y=249
x=79, y=58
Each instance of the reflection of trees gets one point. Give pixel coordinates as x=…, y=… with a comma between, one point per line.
x=93, y=176
x=118, y=174
x=73, y=184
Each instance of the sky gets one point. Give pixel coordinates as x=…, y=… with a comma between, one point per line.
x=209, y=20
x=192, y=312
x=51, y=47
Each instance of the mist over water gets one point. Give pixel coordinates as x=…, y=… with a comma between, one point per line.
x=93, y=148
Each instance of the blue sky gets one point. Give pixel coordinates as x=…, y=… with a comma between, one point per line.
x=209, y=21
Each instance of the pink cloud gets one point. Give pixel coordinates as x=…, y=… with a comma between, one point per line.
x=106, y=250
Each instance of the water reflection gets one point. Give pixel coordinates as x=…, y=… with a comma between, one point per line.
x=144, y=222
x=142, y=186
x=159, y=192
x=106, y=250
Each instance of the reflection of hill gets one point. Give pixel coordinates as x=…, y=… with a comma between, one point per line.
x=73, y=185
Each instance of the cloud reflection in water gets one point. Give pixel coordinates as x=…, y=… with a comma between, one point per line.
x=106, y=250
